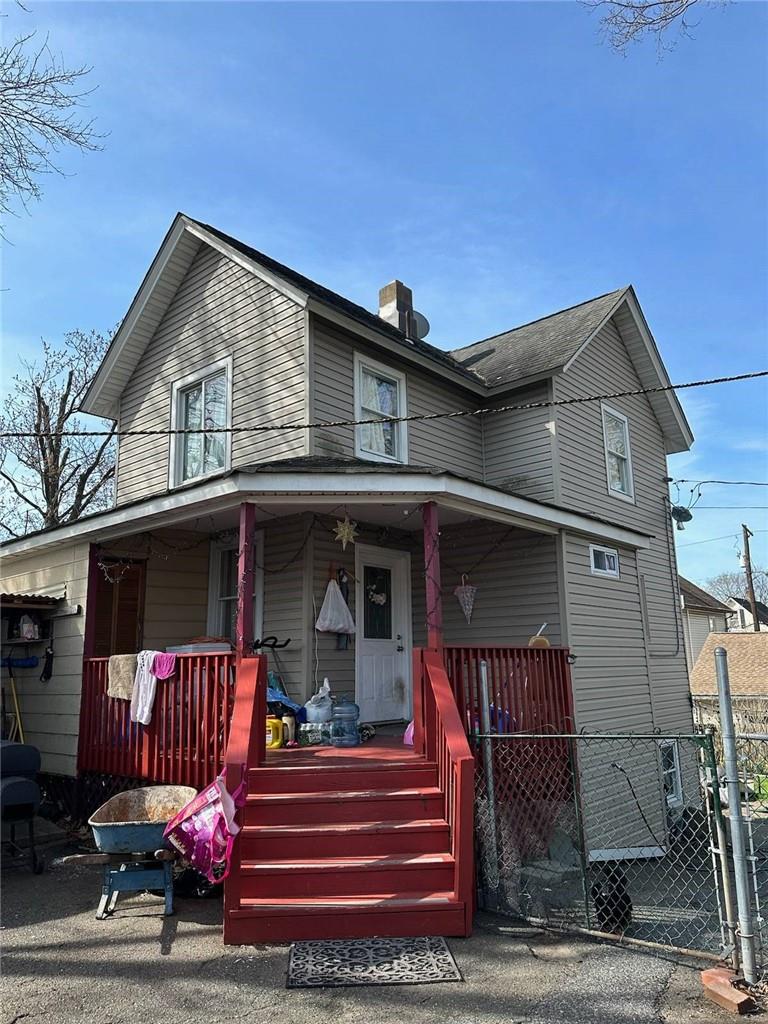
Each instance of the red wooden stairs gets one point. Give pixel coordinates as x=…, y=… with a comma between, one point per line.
x=373, y=841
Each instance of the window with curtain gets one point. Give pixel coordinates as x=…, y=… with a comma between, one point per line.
x=617, y=454
x=202, y=406
x=380, y=392
x=222, y=588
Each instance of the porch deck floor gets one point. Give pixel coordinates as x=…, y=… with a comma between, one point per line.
x=380, y=750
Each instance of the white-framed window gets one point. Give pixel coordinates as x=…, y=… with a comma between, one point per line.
x=380, y=391
x=670, y=772
x=222, y=587
x=201, y=401
x=604, y=561
x=618, y=457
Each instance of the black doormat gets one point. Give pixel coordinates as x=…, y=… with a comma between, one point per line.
x=340, y=963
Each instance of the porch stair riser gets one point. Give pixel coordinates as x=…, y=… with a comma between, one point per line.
x=333, y=778
x=338, y=806
x=334, y=876
x=281, y=842
x=391, y=915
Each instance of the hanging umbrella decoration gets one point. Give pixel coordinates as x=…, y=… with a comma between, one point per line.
x=465, y=593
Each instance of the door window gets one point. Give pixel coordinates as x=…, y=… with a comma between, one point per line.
x=377, y=616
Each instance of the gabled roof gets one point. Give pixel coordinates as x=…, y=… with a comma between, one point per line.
x=539, y=347
x=762, y=610
x=695, y=597
x=747, y=663
x=505, y=361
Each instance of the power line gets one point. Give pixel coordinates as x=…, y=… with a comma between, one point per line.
x=709, y=540
x=420, y=417
x=699, y=508
x=730, y=483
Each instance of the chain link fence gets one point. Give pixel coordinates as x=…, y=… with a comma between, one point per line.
x=611, y=833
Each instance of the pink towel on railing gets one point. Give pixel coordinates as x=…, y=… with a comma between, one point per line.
x=164, y=665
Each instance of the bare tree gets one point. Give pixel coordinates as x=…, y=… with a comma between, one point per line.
x=39, y=102
x=734, y=584
x=48, y=479
x=624, y=22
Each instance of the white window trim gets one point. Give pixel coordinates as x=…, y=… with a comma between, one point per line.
x=675, y=800
x=630, y=495
x=363, y=363
x=218, y=546
x=176, y=449
x=604, y=572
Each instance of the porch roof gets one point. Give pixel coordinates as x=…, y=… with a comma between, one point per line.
x=300, y=484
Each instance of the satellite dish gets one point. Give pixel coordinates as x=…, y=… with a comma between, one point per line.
x=681, y=515
x=420, y=325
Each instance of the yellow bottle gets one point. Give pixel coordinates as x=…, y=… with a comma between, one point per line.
x=274, y=732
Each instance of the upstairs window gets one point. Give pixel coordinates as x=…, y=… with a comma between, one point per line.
x=201, y=403
x=618, y=459
x=379, y=391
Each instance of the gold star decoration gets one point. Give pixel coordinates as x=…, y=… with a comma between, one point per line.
x=346, y=531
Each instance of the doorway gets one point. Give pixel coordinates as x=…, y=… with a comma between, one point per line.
x=383, y=642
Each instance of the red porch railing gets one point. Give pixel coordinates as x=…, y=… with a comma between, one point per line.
x=442, y=739
x=184, y=743
x=529, y=687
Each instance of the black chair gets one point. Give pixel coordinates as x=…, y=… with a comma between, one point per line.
x=20, y=796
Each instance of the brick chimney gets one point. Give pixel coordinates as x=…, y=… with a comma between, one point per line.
x=396, y=307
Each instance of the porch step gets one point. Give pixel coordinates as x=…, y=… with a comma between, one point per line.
x=356, y=839
x=356, y=877
x=388, y=914
x=337, y=777
x=343, y=806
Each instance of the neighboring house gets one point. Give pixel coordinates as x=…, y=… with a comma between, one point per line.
x=748, y=677
x=741, y=620
x=702, y=614
x=557, y=514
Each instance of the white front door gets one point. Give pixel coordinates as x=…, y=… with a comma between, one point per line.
x=383, y=642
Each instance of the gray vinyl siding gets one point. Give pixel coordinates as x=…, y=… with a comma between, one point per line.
x=50, y=711
x=451, y=444
x=518, y=445
x=517, y=589
x=604, y=367
x=218, y=310
x=696, y=628
x=284, y=613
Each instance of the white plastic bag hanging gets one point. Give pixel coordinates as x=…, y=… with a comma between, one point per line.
x=335, y=616
x=465, y=593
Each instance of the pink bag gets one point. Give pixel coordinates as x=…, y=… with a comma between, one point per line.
x=204, y=831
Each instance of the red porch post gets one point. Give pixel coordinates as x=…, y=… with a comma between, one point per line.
x=245, y=581
x=434, y=599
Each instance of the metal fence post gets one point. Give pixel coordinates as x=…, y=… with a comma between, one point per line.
x=720, y=852
x=735, y=820
x=492, y=866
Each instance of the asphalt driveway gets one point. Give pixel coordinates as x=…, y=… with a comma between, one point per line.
x=62, y=966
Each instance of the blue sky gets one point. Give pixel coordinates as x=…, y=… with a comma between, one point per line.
x=499, y=158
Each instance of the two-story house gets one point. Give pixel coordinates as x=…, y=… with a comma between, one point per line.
x=246, y=482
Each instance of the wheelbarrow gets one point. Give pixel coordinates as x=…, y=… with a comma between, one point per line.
x=128, y=832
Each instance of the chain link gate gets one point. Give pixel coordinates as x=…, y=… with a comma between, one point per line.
x=618, y=834
x=752, y=755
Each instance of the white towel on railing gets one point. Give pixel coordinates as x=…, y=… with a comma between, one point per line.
x=144, y=686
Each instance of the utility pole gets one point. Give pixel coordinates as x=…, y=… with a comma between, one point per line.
x=750, y=582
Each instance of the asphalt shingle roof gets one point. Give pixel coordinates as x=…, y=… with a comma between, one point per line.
x=747, y=663
x=538, y=347
x=695, y=597
x=762, y=610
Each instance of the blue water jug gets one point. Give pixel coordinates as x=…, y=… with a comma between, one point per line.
x=344, y=724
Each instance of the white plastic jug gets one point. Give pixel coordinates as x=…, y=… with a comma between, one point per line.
x=319, y=707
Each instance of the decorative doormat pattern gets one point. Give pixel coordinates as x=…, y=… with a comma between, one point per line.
x=340, y=963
